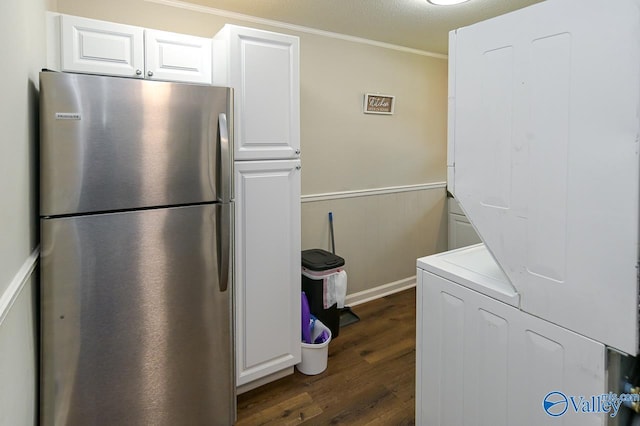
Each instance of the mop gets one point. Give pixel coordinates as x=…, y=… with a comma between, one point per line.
x=347, y=316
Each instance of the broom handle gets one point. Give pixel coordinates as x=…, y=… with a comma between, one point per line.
x=333, y=243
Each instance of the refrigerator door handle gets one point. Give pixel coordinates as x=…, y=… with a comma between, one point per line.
x=226, y=160
x=224, y=242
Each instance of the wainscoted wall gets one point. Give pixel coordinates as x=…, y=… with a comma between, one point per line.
x=22, y=49
x=19, y=360
x=380, y=235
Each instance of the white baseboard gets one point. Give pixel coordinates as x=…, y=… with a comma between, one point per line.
x=380, y=291
x=8, y=298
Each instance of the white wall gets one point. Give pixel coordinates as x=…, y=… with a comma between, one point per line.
x=22, y=53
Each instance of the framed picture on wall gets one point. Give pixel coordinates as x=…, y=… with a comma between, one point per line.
x=375, y=103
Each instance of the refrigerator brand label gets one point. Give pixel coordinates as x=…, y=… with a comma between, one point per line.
x=68, y=116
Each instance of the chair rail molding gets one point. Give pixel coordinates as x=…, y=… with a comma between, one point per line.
x=10, y=295
x=310, y=198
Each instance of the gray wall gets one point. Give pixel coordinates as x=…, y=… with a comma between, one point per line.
x=22, y=51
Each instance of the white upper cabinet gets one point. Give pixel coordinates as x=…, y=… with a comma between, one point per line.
x=177, y=57
x=263, y=68
x=97, y=47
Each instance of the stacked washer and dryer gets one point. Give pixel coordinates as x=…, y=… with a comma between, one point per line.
x=531, y=326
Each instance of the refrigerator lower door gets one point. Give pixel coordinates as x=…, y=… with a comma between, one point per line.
x=136, y=327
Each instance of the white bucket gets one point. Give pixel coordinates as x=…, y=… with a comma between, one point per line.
x=314, y=356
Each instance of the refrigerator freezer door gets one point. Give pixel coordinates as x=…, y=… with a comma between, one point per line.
x=112, y=143
x=545, y=145
x=135, y=327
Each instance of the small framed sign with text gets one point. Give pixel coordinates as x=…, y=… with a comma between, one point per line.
x=378, y=104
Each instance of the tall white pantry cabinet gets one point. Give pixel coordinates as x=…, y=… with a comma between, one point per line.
x=263, y=69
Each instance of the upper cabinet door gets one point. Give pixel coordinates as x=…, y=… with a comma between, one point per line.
x=263, y=68
x=177, y=57
x=106, y=48
x=98, y=47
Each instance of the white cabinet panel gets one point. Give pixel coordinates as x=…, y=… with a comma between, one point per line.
x=98, y=47
x=177, y=57
x=267, y=267
x=492, y=367
x=263, y=68
x=461, y=232
x=482, y=362
x=451, y=328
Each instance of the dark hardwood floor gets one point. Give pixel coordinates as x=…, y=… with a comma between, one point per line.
x=370, y=378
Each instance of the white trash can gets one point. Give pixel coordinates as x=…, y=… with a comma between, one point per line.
x=314, y=356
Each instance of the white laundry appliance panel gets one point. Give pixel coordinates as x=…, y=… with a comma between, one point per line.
x=473, y=267
x=481, y=361
x=543, y=157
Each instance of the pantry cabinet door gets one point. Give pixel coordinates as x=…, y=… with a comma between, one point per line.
x=98, y=47
x=267, y=268
x=177, y=57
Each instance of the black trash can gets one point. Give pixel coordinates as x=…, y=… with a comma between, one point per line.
x=317, y=264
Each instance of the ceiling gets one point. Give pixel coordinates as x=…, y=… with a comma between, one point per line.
x=409, y=23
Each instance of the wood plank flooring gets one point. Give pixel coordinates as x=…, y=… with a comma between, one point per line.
x=370, y=378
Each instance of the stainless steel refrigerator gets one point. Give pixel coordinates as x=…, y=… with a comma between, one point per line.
x=137, y=238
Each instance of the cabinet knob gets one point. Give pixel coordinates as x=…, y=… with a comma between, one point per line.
x=150, y=73
x=298, y=167
x=138, y=72
x=297, y=152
